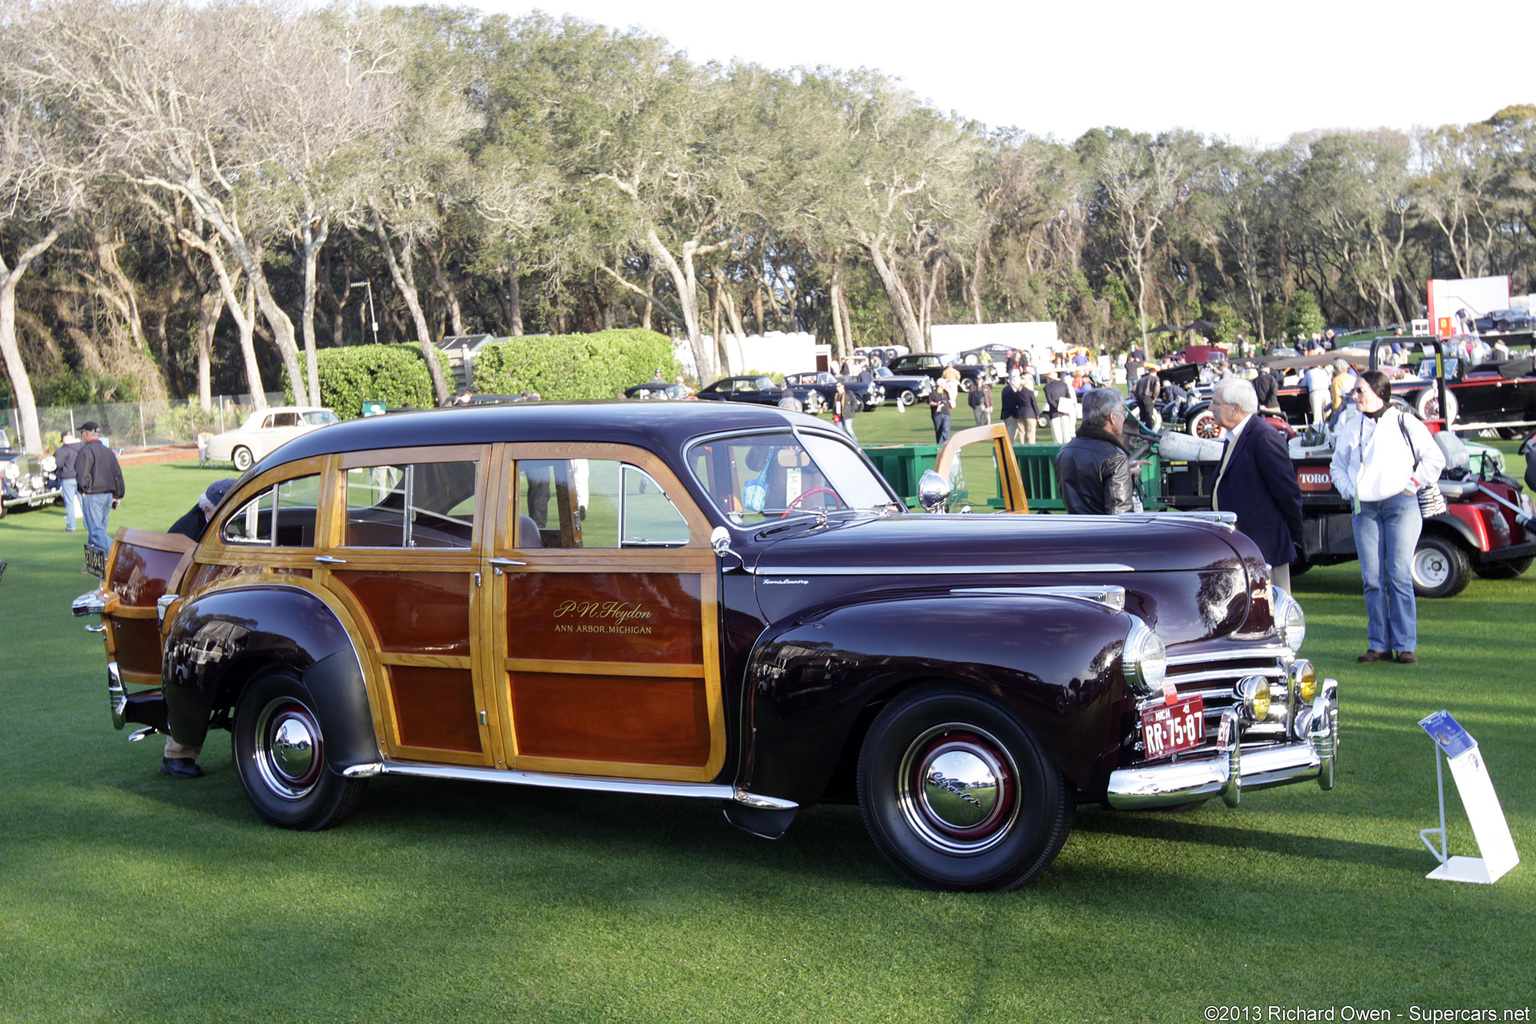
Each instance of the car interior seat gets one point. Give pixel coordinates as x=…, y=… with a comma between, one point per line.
x=1457, y=482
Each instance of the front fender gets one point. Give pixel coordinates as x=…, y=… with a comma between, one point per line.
x=1054, y=661
x=219, y=640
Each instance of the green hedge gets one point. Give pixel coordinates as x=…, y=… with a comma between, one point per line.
x=573, y=366
x=393, y=374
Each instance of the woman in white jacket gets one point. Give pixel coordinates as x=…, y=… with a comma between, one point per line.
x=1382, y=458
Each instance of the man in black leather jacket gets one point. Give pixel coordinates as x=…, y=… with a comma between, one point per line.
x=1093, y=470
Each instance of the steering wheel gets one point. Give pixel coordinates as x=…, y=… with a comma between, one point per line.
x=801, y=497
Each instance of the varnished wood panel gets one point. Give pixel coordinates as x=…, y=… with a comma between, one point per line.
x=595, y=718
x=649, y=617
x=435, y=707
x=413, y=612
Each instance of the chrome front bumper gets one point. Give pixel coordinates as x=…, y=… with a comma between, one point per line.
x=1227, y=774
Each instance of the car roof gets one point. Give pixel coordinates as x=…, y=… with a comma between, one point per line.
x=655, y=425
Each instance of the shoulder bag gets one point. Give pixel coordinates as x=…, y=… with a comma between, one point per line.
x=1431, y=501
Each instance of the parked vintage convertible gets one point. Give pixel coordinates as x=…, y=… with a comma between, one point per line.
x=714, y=601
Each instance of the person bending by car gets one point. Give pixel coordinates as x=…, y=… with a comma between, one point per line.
x=1380, y=461
x=1093, y=470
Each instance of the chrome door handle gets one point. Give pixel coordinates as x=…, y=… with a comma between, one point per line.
x=330, y=560
x=504, y=563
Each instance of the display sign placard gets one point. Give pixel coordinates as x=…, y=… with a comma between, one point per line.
x=1482, y=805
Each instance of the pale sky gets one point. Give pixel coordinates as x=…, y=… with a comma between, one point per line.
x=1254, y=73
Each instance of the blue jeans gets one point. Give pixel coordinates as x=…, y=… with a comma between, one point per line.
x=1386, y=533
x=71, y=490
x=97, y=508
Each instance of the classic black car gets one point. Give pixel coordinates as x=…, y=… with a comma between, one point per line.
x=25, y=482
x=909, y=389
x=707, y=601
x=659, y=391
x=932, y=364
x=757, y=389
x=823, y=386
x=1505, y=321
x=1487, y=396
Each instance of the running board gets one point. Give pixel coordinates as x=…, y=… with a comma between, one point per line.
x=595, y=783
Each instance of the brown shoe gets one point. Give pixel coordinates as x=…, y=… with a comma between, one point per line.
x=1407, y=658
x=1373, y=656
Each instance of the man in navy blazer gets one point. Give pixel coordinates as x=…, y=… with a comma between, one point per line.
x=1256, y=479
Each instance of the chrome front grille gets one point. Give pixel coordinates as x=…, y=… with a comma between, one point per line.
x=1213, y=675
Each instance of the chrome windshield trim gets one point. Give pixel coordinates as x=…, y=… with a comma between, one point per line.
x=645, y=787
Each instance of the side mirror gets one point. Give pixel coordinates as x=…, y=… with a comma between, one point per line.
x=720, y=541
x=932, y=492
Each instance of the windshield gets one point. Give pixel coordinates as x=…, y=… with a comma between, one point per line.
x=761, y=476
x=318, y=417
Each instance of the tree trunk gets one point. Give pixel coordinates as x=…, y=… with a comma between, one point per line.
x=451, y=297
x=900, y=300
x=21, y=383
x=402, y=271
x=312, y=235
x=208, y=305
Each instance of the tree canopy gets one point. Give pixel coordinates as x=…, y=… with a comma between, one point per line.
x=198, y=196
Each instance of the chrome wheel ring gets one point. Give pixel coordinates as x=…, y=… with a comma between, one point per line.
x=289, y=753
x=957, y=787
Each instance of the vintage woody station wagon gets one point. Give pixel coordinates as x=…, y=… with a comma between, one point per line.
x=714, y=601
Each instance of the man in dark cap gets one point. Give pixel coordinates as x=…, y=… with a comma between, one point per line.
x=192, y=524
x=100, y=480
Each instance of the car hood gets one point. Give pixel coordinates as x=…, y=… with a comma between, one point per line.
x=1191, y=579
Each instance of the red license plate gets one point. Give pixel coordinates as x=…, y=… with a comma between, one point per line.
x=1173, y=728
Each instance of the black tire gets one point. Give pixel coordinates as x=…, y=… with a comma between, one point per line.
x=279, y=750
x=907, y=397
x=967, y=384
x=1503, y=570
x=1440, y=567
x=996, y=833
x=1299, y=567
x=242, y=459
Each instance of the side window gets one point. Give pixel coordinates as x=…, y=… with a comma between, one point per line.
x=594, y=503
x=411, y=505
x=281, y=516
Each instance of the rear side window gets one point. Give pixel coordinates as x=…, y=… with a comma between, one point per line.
x=281, y=516
x=411, y=505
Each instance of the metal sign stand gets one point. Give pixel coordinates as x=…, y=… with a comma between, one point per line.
x=1481, y=802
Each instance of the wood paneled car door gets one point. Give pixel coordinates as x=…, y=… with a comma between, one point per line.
x=402, y=554
x=605, y=617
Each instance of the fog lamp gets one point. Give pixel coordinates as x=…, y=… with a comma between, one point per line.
x=1304, y=677
x=1253, y=691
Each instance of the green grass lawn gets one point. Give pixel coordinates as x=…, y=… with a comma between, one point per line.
x=129, y=896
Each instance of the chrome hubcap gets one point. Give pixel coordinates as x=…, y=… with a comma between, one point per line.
x=289, y=752
x=958, y=789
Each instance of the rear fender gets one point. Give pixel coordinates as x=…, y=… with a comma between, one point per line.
x=221, y=639
x=1054, y=661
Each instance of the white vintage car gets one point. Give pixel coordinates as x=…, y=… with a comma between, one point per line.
x=262, y=431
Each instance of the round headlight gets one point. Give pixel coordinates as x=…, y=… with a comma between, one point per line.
x=1304, y=678
x=1146, y=659
x=1254, y=693
x=1290, y=621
